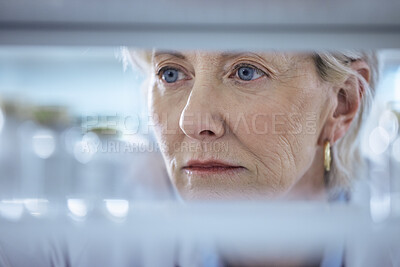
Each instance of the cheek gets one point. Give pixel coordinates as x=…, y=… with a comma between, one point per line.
x=166, y=110
x=165, y=119
x=282, y=139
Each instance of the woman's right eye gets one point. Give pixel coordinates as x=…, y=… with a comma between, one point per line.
x=171, y=75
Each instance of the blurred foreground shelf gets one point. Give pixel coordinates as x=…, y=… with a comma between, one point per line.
x=162, y=234
x=177, y=24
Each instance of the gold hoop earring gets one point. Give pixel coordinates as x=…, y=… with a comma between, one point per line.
x=327, y=156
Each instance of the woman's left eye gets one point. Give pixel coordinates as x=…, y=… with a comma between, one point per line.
x=248, y=73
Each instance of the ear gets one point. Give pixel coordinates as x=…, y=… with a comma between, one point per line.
x=347, y=101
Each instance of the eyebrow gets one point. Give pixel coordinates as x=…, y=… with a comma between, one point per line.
x=227, y=55
x=232, y=54
x=169, y=52
x=181, y=56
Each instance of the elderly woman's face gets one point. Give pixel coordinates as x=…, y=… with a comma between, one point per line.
x=238, y=125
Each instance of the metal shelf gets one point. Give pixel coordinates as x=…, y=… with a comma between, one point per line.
x=254, y=24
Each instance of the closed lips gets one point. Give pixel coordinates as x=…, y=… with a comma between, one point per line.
x=210, y=166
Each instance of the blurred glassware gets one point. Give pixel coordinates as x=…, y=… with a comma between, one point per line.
x=1, y=119
x=379, y=143
x=11, y=209
x=99, y=170
x=53, y=116
x=46, y=165
x=14, y=112
x=394, y=159
x=54, y=163
x=385, y=172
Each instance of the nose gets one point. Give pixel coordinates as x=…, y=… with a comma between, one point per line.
x=201, y=118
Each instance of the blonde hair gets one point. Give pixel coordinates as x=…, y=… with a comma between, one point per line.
x=346, y=152
x=332, y=67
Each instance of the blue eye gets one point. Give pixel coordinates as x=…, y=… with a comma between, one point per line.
x=248, y=73
x=170, y=75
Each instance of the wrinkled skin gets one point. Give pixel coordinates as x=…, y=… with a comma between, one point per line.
x=272, y=126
